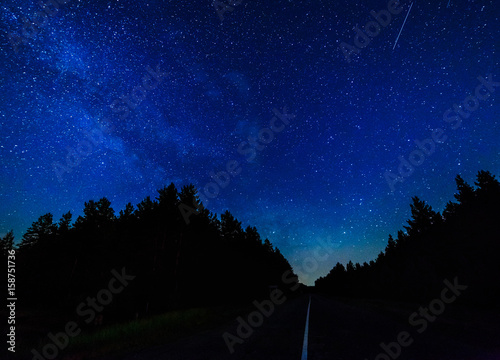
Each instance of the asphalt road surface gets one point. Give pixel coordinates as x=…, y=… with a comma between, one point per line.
x=343, y=329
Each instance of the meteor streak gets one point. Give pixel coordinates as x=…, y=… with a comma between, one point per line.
x=402, y=26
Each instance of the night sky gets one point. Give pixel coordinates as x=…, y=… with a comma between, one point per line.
x=153, y=92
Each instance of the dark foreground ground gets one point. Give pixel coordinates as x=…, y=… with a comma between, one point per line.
x=342, y=329
x=339, y=329
x=355, y=329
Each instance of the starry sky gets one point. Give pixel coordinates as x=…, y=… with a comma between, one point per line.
x=118, y=98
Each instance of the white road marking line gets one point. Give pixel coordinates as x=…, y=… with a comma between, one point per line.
x=306, y=332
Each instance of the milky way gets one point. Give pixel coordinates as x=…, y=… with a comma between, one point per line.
x=119, y=98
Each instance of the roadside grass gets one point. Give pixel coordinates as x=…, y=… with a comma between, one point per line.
x=122, y=338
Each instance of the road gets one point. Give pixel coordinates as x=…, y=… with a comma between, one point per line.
x=343, y=329
x=346, y=330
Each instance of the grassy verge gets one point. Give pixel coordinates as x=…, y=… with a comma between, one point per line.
x=122, y=338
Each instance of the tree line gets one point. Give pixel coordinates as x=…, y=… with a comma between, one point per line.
x=211, y=260
x=463, y=241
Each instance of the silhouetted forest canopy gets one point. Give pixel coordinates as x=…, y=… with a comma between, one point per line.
x=176, y=264
x=213, y=260
x=463, y=242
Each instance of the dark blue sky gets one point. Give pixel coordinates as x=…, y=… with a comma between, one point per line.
x=322, y=178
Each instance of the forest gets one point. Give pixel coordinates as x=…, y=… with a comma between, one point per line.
x=461, y=242
x=174, y=264
x=159, y=262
